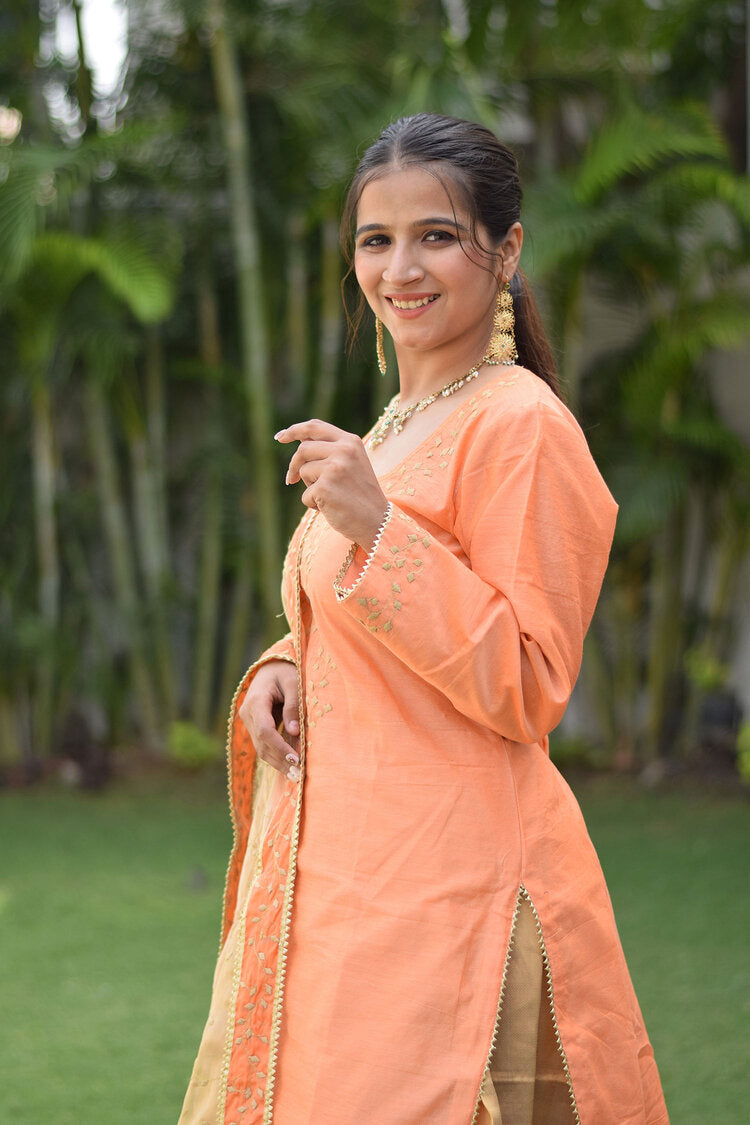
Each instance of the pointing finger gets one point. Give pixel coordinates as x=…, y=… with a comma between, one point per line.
x=313, y=429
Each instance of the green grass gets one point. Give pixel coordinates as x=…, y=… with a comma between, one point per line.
x=109, y=915
x=677, y=868
x=109, y=926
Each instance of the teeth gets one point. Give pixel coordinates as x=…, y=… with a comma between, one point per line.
x=414, y=304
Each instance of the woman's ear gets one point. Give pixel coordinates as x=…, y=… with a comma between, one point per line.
x=509, y=252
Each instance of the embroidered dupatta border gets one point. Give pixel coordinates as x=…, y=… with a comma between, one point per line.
x=278, y=1000
x=281, y=962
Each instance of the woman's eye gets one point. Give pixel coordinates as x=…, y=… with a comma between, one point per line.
x=439, y=236
x=374, y=241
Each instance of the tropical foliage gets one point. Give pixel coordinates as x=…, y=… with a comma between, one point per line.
x=170, y=295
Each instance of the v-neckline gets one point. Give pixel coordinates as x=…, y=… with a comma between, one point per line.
x=442, y=424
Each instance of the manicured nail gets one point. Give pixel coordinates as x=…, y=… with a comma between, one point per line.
x=278, y=435
x=294, y=774
x=286, y=478
x=294, y=761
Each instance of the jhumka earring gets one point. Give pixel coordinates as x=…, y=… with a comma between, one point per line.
x=382, y=367
x=501, y=348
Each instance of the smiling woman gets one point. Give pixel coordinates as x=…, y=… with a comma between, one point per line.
x=416, y=924
x=424, y=276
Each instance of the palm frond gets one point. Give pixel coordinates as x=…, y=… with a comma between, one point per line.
x=706, y=434
x=124, y=267
x=677, y=345
x=688, y=184
x=648, y=492
x=31, y=179
x=560, y=228
x=638, y=142
x=19, y=224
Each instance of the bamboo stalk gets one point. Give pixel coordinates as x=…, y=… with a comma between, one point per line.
x=149, y=549
x=156, y=427
x=44, y=502
x=731, y=551
x=11, y=751
x=296, y=318
x=331, y=327
x=665, y=629
x=627, y=602
x=255, y=348
x=211, y=551
x=236, y=640
x=48, y=559
x=117, y=536
x=596, y=671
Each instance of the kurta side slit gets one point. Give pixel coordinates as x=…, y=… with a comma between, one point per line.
x=526, y=1082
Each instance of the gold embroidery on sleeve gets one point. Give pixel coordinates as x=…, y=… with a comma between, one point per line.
x=382, y=614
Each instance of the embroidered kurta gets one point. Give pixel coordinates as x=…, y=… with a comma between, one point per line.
x=369, y=911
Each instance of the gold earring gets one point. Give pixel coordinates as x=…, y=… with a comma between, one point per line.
x=501, y=348
x=382, y=367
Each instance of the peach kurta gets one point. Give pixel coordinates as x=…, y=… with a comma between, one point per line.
x=369, y=911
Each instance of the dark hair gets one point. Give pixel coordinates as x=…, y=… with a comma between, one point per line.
x=485, y=172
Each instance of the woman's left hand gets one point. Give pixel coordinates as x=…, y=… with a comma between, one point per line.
x=340, y=481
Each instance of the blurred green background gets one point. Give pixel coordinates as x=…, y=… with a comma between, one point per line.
x=171, y=175
x=170, y=182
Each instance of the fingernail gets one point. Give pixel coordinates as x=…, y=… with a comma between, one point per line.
x=278, y=435
x=292, y=759
x=294, y=774
x=286, y=479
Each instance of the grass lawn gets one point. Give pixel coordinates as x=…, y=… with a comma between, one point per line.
x=109, y=915
x=677, y=869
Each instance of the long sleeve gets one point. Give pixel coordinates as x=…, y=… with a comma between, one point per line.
x=497, y=624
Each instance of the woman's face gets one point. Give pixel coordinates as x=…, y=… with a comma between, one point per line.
x=417, y=266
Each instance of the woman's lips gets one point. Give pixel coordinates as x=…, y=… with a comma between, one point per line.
x=412, y=305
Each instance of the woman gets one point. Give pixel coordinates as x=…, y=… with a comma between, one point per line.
x=416, y=926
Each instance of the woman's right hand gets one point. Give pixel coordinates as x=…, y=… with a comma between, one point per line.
x=273, y=698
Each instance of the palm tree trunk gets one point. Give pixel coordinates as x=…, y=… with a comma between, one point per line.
x=296, y=319
x=209, y=581
x=146, y=509
x=150, y=467
x=255, y=348
x=204, y=665
x=596, y=672
x=627, y=602
x=237, y=639
x=331, y=320
x=731, y=553
x=11, y=752
x=666, y=629
x=117, y=536
x=47, y=558
x=156, y=426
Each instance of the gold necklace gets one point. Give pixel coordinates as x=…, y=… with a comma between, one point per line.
x=393, y=419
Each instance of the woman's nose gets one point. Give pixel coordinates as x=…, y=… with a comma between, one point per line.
x=403, y=265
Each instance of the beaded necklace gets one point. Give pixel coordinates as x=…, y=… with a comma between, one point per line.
x=394, y=418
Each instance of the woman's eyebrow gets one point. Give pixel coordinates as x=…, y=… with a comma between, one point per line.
x=437, y=220
x=441, y=221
